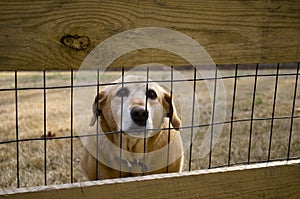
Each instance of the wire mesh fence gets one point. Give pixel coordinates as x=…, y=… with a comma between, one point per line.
x=40, y=146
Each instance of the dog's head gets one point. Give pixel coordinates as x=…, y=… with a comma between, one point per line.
x=134, y=107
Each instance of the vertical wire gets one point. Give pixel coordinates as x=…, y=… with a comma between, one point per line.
x=17, y=129
x=45, y=128
x=293, y=111
x=193, y=118
x=121, y=125
x=273, y=112
x=169, y=128
x=97, y=129
x=232, y=114
x=252, y=113
x=71, y=127
x=145, y=132
x=213, y=118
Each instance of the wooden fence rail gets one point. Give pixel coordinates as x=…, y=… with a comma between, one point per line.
x=59, y=34
x=265, y=180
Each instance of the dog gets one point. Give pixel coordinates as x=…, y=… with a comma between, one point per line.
x=138, y=131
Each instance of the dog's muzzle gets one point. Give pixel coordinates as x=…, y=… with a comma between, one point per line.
x=139, y=116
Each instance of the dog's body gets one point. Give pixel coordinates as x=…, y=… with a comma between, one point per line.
x=139, y=123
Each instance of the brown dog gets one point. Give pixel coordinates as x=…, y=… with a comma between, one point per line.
x=138, y=132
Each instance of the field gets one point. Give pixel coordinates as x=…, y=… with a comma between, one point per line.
x=61, y=150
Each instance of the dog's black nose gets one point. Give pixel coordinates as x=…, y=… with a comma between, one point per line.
x=139, y=115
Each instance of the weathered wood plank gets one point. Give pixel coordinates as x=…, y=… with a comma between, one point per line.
x=32, y=33
x=266, y=180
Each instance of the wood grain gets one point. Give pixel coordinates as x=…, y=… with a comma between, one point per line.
x=231, y=31
x=271, y=180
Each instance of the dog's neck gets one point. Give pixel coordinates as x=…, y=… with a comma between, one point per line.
x=129, y=143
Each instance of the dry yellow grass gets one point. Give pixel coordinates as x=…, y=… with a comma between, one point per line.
x=58, y=122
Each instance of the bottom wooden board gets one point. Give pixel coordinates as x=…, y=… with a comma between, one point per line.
x=265, y=180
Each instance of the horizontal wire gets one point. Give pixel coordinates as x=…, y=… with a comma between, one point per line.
x=150, y=81
x=255, y=162
x=152, y=129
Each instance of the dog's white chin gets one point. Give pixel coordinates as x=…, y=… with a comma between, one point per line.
x=140, y=131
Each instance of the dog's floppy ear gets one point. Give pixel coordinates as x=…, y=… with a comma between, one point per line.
x=171, y=111
x=97, y=107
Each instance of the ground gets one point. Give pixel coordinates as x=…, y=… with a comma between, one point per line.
x=32, y=127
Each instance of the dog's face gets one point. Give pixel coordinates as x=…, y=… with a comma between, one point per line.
x=134, y=107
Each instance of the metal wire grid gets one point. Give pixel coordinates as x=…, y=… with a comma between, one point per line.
x=194, y=81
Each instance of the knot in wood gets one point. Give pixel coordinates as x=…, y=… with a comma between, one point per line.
x=75, y=42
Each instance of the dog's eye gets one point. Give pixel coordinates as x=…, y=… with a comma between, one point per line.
x=151, y=94
x=122, y=92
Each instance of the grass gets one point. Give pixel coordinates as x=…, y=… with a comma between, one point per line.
x=258, y=101
x=58, y=122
